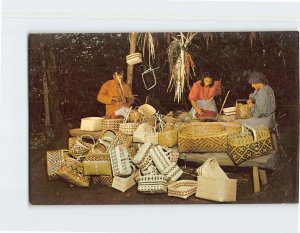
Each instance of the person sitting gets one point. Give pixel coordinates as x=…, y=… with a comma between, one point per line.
x=202, y=97
x=261, y=102
x=115, y=93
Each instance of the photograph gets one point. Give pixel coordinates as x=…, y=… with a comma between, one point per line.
x=163, y=118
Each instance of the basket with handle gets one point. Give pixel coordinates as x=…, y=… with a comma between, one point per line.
x=81, y=148
x=251, y=143
x=120, y=161
x=55, y=160
x=202, y=137
x=152, y=184
x=242, y=110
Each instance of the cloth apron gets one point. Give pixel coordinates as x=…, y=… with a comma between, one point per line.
x=204, y=105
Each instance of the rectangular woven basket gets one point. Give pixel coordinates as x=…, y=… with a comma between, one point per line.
x=202, y=137
x=112, y=124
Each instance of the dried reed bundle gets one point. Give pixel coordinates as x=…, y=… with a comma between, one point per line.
x=180, y=63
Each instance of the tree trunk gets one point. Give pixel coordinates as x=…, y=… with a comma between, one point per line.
x=54, y=95
x=46, y=94
x=132, y=40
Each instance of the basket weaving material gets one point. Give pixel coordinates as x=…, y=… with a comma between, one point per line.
x=142, y=159
x=152, y=184
x=232, y=127
x=55, y=160
x=215, y=189
x=172, y=172
x=91, y=123
x=72, y=171
x=111, y=124
x=120, y=161
x=202, y=137
x=128, y=128
x=123, y=183
x=168, y=138
x=182, y=188
x=97, y=164
x=242, y=111
x=248, y=145
x=71, y=142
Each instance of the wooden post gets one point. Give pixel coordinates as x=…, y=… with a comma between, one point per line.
x=263, y=176
x=132, y=40
x=255, y=175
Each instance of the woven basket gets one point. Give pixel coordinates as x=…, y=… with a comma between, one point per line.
x=152, y=184
x=159, y=158
x=215, y=189
x=211, y=168
x=171, y=154
x=202, y=137
x=97, y=164
x=182, y=188
x=120, y=161
x=134, y=58
x=142, y=159
x=147, y=110
x=123, y=183
x=55, y=160
x=232, y=127
x=172, y=172
x=248, y=145
x=72, y=171
x=81, y=148
x=91, y=123
x=135, y=117
x=141, y=131
x=168, y=138
x=128, y=128
x=150, y=170
x=106, y=180
x=242, y=110
x=120, y=139
x=111, y=124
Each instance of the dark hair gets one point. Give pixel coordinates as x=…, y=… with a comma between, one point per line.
x=118, y=70
x=204, y=75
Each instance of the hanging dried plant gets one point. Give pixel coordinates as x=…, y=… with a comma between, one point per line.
x=180, y=63
x=208, y=36
x=149, y=43
x=252, y=37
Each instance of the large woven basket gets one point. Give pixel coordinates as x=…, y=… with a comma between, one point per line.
x=168, y=138
x=112, y=124
x=152, y=184
x=202, y=137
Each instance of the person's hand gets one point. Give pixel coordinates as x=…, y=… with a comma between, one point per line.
x=117, y=98
x=249, y=103
x=199, y=111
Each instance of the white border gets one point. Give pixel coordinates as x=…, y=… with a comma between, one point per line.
x=33, y=16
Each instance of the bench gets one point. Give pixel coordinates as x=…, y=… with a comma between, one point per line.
x=258, y=165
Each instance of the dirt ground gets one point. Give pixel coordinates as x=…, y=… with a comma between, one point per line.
x=282, y=184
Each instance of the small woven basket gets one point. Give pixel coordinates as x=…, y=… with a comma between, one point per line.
x=135, y=117
x=182, y=188
x=168, y=138
x=91, y=123
x=242, y=110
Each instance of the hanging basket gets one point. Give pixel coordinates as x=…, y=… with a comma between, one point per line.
x=134, y=58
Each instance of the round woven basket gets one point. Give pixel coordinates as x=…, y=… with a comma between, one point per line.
x=147, y=110
x=111, y=124
x=168, y=138
x=128, y=128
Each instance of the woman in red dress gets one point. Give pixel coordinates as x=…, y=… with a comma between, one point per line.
x=202, y=97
